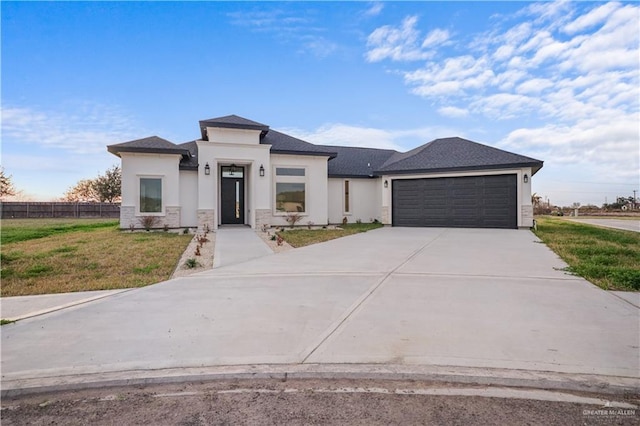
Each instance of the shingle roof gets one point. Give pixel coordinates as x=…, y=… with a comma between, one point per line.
x=190, y=163
x=454, y=154
x=285, y=144
x=355, y=161
x=231, y=122
x=153, y=144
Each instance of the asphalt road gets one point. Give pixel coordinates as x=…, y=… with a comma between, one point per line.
x=317, y=402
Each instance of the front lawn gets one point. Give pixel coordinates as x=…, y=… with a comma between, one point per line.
x=58, y=256
x=609, y=258
x=303, y=237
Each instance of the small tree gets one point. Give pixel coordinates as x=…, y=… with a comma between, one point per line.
x=6, y=185
x=108, y=187
x=84, y=191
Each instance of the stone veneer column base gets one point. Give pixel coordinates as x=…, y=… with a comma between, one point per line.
x=527, y=216
x=206, y=217
x=263, y=217
x=127, y=217
x=386, y=215
x=172, y=217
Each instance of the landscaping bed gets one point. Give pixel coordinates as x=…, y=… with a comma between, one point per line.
x=609, y=258
x=300, y=237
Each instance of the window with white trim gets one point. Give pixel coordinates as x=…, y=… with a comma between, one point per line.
x=290, y=190
x=150, y=195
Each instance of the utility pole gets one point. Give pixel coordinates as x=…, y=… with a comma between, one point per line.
x=634, y=198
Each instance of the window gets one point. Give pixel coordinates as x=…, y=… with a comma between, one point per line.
x=347, y=204
x=150, y=195
x=289, y=171
x=291, y=190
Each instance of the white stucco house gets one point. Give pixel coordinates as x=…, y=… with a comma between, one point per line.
x=242, y=172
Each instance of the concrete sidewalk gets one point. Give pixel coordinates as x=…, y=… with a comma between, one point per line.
x=453, y=298
x=21, y=307
x=238, y=244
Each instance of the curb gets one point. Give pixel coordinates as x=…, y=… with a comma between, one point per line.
x=611, y=385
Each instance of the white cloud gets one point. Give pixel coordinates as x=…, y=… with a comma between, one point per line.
x=370, y=137
x=563, y=79
x=88, y=130
x=454, y=112
x=397, y=44
x=594, y=17
x=435, y=37
x=375, y=9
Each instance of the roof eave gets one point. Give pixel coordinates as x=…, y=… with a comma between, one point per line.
x=535, y=166
x=117, y=150
x=311, y=153
x=352, y=176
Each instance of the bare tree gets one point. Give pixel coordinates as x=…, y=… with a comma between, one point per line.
x=6, y=185
x=104, y=188
x=83, y=191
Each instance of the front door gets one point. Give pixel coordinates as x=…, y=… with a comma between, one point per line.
x=232, y=195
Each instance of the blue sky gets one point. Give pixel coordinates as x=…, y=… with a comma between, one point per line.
x=557, y=81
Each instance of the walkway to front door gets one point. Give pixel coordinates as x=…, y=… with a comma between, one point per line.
x=238, y=244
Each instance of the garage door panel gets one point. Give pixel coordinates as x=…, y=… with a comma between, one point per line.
x=470, y=201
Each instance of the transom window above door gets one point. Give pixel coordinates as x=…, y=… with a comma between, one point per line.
x=232, y=171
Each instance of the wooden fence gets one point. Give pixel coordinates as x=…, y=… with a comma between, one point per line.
x=28, y=210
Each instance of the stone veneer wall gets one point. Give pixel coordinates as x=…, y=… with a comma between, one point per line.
x=172, y=217
x=263, y=217
x=527, y=216
x=127, y=217
x=386, y=215
x=206, y=217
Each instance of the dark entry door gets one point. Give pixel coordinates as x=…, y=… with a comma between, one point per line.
x=232, y=195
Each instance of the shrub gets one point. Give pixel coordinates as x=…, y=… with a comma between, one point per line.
x=185, y=231
x=191, y=263
x=293, y=218
x=148, y=222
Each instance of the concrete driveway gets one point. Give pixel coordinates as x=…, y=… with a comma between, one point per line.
x=462, y=298
x=624, y=224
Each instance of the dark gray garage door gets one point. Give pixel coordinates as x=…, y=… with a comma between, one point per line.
x=461, y=202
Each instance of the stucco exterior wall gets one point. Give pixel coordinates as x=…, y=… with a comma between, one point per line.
x=365, y=200
x=251, y=157
x=163, y=166
x=234, y=136
x=316, y=189
x=188, y=198
x=524, y=209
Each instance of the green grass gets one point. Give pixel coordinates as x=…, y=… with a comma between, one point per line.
x=15, y=230
x=609, y=258
x=5, y=322
x=304, y=237
x=57, y=256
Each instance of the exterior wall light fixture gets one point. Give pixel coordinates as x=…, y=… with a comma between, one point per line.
x=386, y=183
x=207, y=169
x=526, y=178
x=261, y=170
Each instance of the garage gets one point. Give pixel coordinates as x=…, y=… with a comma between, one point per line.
x=460, y=202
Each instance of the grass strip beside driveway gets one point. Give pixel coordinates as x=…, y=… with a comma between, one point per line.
x=304, y=237
x=609, y=258
x=95, y=258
